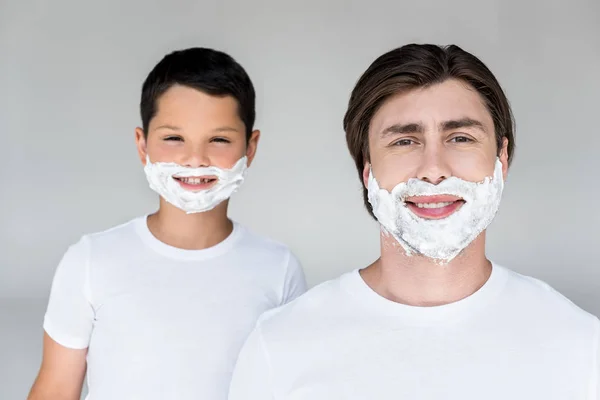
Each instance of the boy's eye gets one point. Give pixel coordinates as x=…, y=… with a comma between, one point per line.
x=174, y=138
x=221, y=140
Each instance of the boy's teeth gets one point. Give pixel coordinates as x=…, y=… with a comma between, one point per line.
x=434, y=205
x=195, y=181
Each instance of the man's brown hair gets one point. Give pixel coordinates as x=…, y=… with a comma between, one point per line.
x=417, y=66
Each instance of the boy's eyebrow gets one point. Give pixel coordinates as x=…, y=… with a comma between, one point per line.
x=226, y=129
x=176, y=128
x=170, y=127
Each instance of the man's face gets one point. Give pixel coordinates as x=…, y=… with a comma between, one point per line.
x=432, y=134
x=194, y=129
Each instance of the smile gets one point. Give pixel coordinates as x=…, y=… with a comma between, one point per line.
x=194, y=180
x=195, y=183
x=434, y=207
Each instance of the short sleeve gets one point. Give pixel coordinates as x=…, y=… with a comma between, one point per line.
x=252, y=376
x=295, y=281
x=69, y=316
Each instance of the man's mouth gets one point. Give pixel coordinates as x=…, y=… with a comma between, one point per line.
x=196, y=182
x=434, y=207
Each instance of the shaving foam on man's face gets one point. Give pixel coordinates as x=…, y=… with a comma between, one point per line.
x=437, y=221
x=194, y=190
x=435, y=176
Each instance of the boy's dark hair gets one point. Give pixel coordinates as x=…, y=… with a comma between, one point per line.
x=416, y=66
x=210, y=71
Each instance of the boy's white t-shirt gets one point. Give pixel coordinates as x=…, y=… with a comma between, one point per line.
x=514, y=339
x=161, y=322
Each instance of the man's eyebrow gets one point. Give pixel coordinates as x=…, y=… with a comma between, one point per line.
x=402, y=128
x=462, y=123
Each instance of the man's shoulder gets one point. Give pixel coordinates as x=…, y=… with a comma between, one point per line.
x=537, y=299
x=321, y=304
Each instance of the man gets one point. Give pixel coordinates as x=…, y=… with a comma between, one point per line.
x=158, y=308
x=431, y=133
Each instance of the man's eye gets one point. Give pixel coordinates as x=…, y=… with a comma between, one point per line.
x=403, y=142
x=461, y=139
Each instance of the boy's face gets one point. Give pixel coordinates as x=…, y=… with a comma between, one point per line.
x=194, y=129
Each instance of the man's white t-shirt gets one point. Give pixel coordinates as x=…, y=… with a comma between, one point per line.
x=162, y=322
x=514, y=339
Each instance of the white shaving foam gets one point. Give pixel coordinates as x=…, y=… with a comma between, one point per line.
x=441, y=239
x=160, y=177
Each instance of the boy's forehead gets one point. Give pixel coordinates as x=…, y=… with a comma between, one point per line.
x=189, y=106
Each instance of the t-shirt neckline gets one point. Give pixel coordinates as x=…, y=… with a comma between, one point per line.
x=354, y=284
x=141, y=227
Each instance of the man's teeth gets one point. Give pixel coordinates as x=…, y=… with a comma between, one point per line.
x=195, y=181
x=434, y=205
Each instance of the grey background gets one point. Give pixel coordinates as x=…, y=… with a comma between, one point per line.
x=70, y=77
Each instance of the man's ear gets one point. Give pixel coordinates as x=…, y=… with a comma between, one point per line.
x=504, y=157
x=140, y=143
x=365, y=174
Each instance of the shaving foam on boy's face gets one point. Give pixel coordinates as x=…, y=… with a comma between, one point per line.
x=437, y=221
x=194, y=190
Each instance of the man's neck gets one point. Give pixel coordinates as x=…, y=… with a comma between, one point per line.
x=420, y=281
x=195, y=231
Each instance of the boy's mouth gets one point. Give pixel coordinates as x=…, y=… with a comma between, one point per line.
x=195, y=183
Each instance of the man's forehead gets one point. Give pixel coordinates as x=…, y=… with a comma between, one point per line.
x=449, y=101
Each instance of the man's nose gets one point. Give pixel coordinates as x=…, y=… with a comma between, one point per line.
x=433, y=168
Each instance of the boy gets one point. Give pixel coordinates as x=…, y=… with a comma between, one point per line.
x=158, y=308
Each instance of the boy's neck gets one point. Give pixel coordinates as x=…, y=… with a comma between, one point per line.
x=196, y=231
